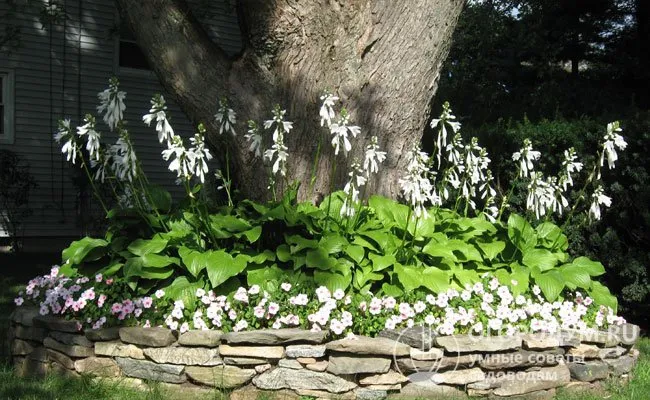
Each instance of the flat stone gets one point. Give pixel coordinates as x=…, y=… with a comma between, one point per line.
x=98, y=366
x=468, y=344
x=244, y=361
x=428, y=355
x=405, y=365
x=531, y=381
x=61, y=370
x=419, y=336
x=537, y=395
x=133, y=383
x=302, y=379
x=388, y=388
x=611, y=352
x=306, y=360
x=61, y=358
x=151, y=337
x=344, y=365
x=459, y=377
x=568, y=339
x=275, y=336
x=180, y=355
x=622, y=365
x=520, y=359
x=39, y=354
x=370, y=346
x=250, y=392
x=305, y=350
x=320, y=366
x=323, y=395
x=30, y=333
x=24, y=315
x=70, y=350
x=200, y=338
x=264, y=352
x=584, y=352
x=151, y=371
x=588, y=371
x=540, y=341
x=427, y=390
x=56, y=324
x=71, y=339
x=577, y=387
x=103, y=334
x=627, y=333
x=21, y=347
x=260, y=369
x=118, y=349
x=370, y=394
x=389, y=378
x=607, y=339
x=32, y=368
x=222, y=376
x=289, y=363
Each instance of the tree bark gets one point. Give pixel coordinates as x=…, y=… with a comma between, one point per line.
x=382, y=57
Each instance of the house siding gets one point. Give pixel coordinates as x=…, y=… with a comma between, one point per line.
x=57, y=73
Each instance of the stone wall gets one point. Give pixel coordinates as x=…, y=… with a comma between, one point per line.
x=294, y=363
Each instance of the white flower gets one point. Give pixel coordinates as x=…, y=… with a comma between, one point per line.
x=278, y=154
x=255, y=289
x=327, y=113
x=226, y=118
x=338, y=294
x=446, y=118
x=597, y=199
x=240, y=325
x=340, y=132
x=124, y=160
x=64, y=133
x=569, y=167
x=526, y=156
x=465, y=295
x=351, y=189
x=158, y=112
x=182, y=160
x=111, y=104
x=241, y=295
x=373, y=157
x=92, y=136
x=200, y=155
x=323, y=294
x=612, y=140
x=159, y=293
x=285, y=286
x=416, y=186
x=255, y=139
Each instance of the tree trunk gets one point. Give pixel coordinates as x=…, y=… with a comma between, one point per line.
x=381, y=57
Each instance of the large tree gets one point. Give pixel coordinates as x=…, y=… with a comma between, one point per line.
x=382, y=57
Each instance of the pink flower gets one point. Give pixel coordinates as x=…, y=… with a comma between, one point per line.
x=43, y=310
x=232, y=314
x=54, y=272
x=137, y=312
x=117, y=307
x=147, y=302
x=109, y=281
x=338, y=294
x=147, y=324
x=159, y=293
x=19, y=301
x=101, y=300
x=273, y=308
x=184, y=327
x=98, y=278
x=89, y=294
x=259, y=312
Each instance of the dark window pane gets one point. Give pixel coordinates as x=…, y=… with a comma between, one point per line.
x=2, y=120
x=131, y=56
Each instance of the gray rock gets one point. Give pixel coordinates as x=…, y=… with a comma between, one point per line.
x=288, y=363
x=150, y=370
x=583, y=352
x=30, y=333
x=180, y=355
x=388, y=388
x=459, y=377
x=343, y=365
x=200, y=338
x=532, y=381
x=31, y=368
x=244, y=361
x=370, y=394
x=568, y=339
x=320, y=366
x=537, y=395
x=56, y=324
x=520, y=359
x=71, y=339
x=432, y=354
x=250, y=392
x=103, y=334
x=389, y=378
x=58, y=369
x=21, y=347
x=39, y=354
x=419, y=337
x=222, y=376
x=118, y=349
x=24, y=315
x=305, y=350
x=588, y=371
x=98, y=366
x=468, y=344
x=306, y=360
x=622, y=365
x=405, y=365
x=627, y=333
x=607, y=339
x=370, y=346
x=264, y=352
x=262, y=368
x=540, y=341
x=60, y=358
x=151, y=337
x=70, y=350
x=427, y=390
x=302, y=379
x=611, y=352
x=275, y=336
x=323, y=395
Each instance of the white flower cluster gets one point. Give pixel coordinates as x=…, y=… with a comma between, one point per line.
x=277, y=154
x=254, y=138
x=226, y=118
x=446, y=118
x=351, y=190
x=611, y=142
x=417, y=187
x=111, y=104
x=339, y=127
x=526, y=156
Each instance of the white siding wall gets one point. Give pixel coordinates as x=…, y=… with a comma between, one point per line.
x=58, y=72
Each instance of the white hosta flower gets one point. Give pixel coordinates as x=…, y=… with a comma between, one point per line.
x=201, y=155
x=340, y=131
x=526, y=156
x=253, y=136
x=416, y=186
x=158, y=113
x=597, y=199
x=88, y=131
x=182, y=160
x=124, y=160
x=101, y=165
x=64, y=134
x=569, y=167
x=446, y=118
x=351, y=189
x=373, y=157
x=281, y=126
x=226, y=118
x=327, y=113
x=612, y=141
x=111, y=104
x=278, y=154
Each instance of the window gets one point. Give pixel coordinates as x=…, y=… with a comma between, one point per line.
x=130, y=55
x=6, y=107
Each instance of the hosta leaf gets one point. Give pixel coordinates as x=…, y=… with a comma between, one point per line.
x=140, y=247
x=432, y=278
x=541, y=258
x=222, y=266
x=551, y=283
x=491, y=249
x=332, y=243
x=86, y=249
x=158, y=261
x=593, y=268
x=381, y=262
x=357, y=253
x=319, y=258
x=182, y=289
x=602, y=296
x=575, y=276
x=521, y=233
x=332, y=280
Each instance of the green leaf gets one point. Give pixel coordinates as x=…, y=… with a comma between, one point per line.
x=521, y=275
x=381, y=238
x=332, y=280
x=299, y=243
x=358, y=240
x=283, y=252
x=355, y=252
x=541, y=258
x=391, y=290
x=319, y=258
x=602, y=296
x=432, y=278
x=222, y=266
x=160, y=198
x=253, y=234
x=380, y=263
x=521, y=233
x=140, y=247
x=182, y=289
x=440, y=249
x=466, y=277
x=332, y=243
x=194, y=261
x=491, y=249
x=575, y=276
x=264, y=275
x=158, y=261
x=464, y=251
x=551, y=283
x=86, y=249
x=593, y=268
x=111, y=269
x=551, y=236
